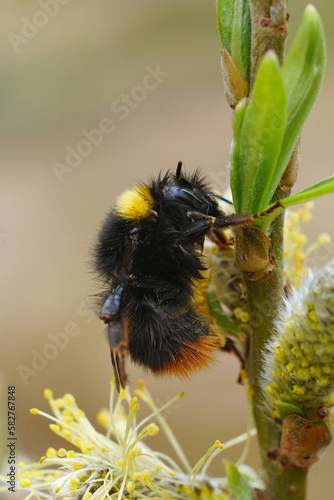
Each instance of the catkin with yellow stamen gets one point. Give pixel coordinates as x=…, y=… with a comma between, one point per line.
x=299, y=361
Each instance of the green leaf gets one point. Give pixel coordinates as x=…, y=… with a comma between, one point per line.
x=238, y=117
x=285, y=409
x=240, y=42
x=234, y=29
x=254, y=155
x=219, y=316
x=240, y=487
x=320, y=189
x=225, y=22
x=302, y=74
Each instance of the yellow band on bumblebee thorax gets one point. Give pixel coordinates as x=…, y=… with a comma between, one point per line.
x=136, y=203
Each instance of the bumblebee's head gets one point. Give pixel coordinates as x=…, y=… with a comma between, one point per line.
x=191, y=192
x=186, y=192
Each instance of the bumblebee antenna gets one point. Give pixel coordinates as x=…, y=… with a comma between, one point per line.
x=178, y=170
x=224, y=199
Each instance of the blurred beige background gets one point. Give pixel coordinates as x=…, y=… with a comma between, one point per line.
x=73, y=74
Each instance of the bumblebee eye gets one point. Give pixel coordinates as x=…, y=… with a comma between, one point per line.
x=206, y=204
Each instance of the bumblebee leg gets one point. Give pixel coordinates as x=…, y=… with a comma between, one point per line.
x=197, y=229
x=115, y=364
x=218, y=237
x=233, y=220
x=231, y=347
x=117, y=334
x=118, y=356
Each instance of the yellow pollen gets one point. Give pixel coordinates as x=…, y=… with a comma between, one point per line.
x=270, y=389
x=323, y=381
x=122, y=394
x=290, y=366
x=48, y=394
x=305, y=216
x=237, y=312
x=152, y=429
x=130, y=486
x=309, y=205
x=294, y=217
x=84, y=448
x=69, y=399
x=62, y=452
x=103, y=417
x=324, y=239
x=244, y=316
x=68, y=419
x=77, y=442
x=136, y=452
x=51, y=453
x=42, y=459
x=79, y=414
x=25, y=483
x=276, y=414
x=136, y=203
x=58, y=403
x=171, y=473
x=34, y=411
x=297, y=389
x=55, y=428
x=145, y=476
x=77, y=466
x=134, y=405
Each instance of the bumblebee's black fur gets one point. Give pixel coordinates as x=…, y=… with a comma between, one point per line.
x=153, y=263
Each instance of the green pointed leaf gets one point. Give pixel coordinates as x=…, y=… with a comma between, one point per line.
x=219, y=316
x=256, y=150
x=302, y=74
x=240, y=487
x=316, y=191
x=320, y=189
x=240, y=43
x=225, y=22
x=285, y=409
x=238, y=118
x=234, y=29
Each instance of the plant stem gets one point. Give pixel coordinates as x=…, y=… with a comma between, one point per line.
x=265, y=295
x=266, y=34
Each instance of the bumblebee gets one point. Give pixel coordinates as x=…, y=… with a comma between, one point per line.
x=148, y=255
